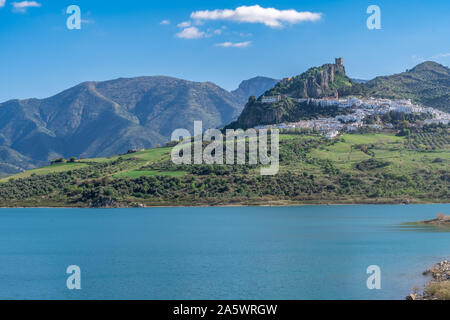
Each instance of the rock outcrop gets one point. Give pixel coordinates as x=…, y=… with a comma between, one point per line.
x=317, y=82
x=438, y=288
x=440, y=271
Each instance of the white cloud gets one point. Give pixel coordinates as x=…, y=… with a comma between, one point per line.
x=191, y=33
x=438, y=56
x=441, y=55
x=234, y=44
x=184, y=24
x=165, y=22
x=2, y=3
x=270, y=17
x=24, y=5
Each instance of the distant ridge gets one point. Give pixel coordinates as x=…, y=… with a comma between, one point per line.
x=359, y=80
x=253, y=87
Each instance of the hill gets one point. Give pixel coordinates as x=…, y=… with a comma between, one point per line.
x=355, y=168
x=317, y=82
x=428, y=84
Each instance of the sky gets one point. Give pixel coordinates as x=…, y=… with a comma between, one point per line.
x=224, y=42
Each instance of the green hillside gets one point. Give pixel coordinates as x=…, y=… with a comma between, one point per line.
x=427, y=84
x=356, y=168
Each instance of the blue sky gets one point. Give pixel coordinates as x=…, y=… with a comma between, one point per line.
x=39, y=56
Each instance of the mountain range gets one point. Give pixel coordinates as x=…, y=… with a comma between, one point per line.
x=98, y=119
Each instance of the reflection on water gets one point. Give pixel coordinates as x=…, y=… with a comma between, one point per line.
x=422, y=227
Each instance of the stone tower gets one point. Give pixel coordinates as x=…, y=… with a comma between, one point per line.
x=340, y=61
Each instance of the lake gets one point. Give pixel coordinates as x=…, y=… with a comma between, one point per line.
x=305, y=252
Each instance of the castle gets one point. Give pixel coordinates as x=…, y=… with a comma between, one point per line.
x=340, y=61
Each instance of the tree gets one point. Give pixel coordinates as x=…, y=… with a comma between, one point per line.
x=59, y=160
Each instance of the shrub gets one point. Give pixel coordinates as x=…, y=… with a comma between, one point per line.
x=438, y=290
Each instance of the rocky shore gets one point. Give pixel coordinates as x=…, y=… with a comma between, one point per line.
x=440, y=271
x=438, y=288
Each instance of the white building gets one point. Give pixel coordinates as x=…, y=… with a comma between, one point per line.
x=332, y=134
x=272, y=99
x=436, y=121
x=404, y=109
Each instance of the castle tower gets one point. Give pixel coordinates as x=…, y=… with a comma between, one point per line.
x=340, y=61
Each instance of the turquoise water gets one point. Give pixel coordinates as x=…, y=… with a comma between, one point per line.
x=308, y=252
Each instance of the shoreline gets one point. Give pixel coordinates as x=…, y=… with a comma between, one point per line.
x=441, y=221
x=438, y=287
x=237, y=205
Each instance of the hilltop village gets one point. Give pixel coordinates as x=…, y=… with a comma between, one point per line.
x=361, y=109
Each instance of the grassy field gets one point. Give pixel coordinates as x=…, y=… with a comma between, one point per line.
x=60, y=167
x=354, y=168
x=346, y=153
x=143, y=158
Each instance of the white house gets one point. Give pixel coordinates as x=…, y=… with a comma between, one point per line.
x=332, y=134
x=272, y=99
x=436, y=121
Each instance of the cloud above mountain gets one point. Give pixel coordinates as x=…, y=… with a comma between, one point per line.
x=437, y=57
x=270, y=17
x=2, y=3
x=441, y=55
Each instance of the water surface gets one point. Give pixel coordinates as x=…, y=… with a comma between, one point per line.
x=306, y=252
